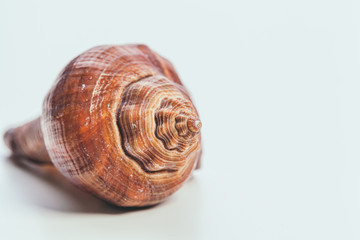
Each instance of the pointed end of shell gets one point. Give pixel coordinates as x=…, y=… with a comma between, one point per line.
x=194, y=124
x=8, y=139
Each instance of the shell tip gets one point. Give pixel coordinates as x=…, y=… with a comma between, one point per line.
x=194, y=124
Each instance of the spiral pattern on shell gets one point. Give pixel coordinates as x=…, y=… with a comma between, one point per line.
x=119, y=123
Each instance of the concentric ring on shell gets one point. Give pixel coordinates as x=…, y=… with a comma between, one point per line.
x=158, y=124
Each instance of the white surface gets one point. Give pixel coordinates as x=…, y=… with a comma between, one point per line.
x=277, y=87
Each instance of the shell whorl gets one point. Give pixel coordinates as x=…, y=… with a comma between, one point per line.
x=119, y=123
x=148, y=117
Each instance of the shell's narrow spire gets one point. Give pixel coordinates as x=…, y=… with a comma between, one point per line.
x=187, y=125
x=117, y=123
x=194, y=124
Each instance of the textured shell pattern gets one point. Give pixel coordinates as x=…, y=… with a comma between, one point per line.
x=118, y=123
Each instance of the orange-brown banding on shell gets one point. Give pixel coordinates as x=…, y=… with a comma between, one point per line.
x=117, y=123
x=148, y=121
x=194, y=125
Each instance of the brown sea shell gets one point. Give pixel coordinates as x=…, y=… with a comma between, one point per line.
x=117, y=123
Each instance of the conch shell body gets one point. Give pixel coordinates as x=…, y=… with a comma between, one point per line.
x=117, y=123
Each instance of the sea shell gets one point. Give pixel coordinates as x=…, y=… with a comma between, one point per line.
x=117, y=123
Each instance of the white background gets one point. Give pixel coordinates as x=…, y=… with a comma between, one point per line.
x=277, y=87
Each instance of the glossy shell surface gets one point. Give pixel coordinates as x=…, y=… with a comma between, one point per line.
x=118, y=123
